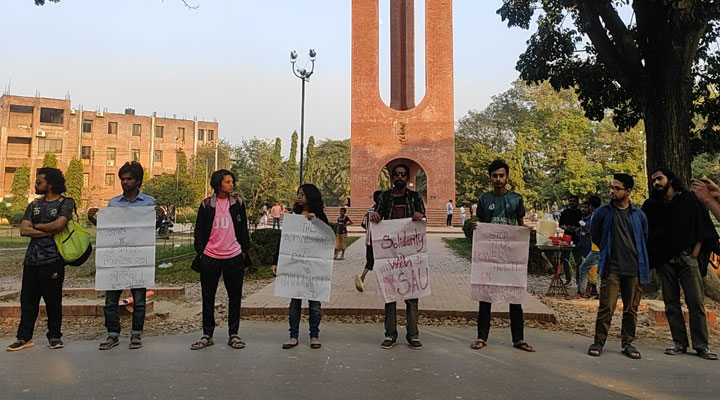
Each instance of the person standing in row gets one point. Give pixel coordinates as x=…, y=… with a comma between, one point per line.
x=308, y=202
x=222, y=243
x=276, y=211
x=131, y=178
x=620, y=230
x=43, y=267
x=369, y=258
x=678, y=225
x=449, y=210
x=501, y=206
x=570, y=222
x=400, y=202
x=341, y=233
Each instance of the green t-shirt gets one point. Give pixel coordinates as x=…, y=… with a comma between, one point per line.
x=507, y=209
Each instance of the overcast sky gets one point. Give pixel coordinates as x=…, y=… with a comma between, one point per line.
x=229, y=59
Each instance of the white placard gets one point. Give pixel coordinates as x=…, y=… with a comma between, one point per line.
x=499, y=263
x=401, y=260
x=125, y=248
x=306, y=259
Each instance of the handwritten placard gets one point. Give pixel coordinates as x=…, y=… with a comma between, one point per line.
x=125, y=248
x=401, y=260
x=306, y=259
x=499, y=263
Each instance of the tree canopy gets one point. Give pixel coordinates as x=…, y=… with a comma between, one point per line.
x=656, y=61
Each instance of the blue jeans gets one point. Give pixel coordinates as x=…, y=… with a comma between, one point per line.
x=592, y=259
x=112, y=312
x=295, y=307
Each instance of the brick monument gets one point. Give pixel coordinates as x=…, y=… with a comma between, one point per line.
x=421, y=135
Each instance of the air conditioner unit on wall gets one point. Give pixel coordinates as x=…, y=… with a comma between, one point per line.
x=111, y=163
x=40, y=134
x=100, y=114
x=72, y=111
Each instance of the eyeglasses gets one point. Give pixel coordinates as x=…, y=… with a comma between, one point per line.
x=398, y=174
x=616, y=188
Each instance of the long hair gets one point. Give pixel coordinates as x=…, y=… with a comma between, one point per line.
x=54, y=178
x=315, y=202
x=217, y=178
x=675, y=182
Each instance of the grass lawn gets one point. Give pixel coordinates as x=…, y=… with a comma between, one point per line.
x=462, y=246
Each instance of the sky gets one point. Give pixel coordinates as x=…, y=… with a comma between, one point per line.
x=229, y=59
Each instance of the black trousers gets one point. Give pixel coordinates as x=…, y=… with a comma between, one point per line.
x=369, y=258
x=449, y=220
x=41, y=281
x=517, y=325
x=685, y=275
x=232, y=272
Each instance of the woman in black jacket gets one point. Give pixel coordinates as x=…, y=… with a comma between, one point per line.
x=222, y=243
x=308, y=202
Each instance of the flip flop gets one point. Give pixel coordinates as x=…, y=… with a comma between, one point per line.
x=478, y=344
x=524, y=346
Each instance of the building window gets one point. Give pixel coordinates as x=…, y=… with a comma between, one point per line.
x=137, y=129
x=49, y=146
x=159, y=130
x=112, y=128
x=181, y=134
x=211, y=135
x=51, y=115
x=158, y=156
x=135, y=154
x=21, y=109
x=111, y=153
x=109, y=179
x=86, y=180
x=87, y=125
x=201, y=134
x=85, y=152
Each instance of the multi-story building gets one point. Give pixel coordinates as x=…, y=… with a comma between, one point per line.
x=32, y=126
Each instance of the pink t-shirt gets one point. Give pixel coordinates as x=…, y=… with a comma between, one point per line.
x=222, y=243
x=276, y=211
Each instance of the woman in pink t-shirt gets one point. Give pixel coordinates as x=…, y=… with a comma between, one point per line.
x=308, y=202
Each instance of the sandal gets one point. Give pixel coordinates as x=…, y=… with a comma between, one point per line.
x=204, y=342
x=109, y=343
x=631, y=352
x=290, y=343
x=235, y=342
x=478, y=344
x=315, y=343
x=524, y=346
x=675, y=349
x=595, y=350
x=707, y=354
x=135, y=342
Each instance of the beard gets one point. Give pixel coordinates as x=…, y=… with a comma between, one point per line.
x=399, y=184
x=40, y=191
x=660, y=190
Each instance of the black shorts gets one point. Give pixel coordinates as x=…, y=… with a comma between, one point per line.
x=369, y=260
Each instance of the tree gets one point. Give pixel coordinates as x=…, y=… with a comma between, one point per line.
x=19, y=190
x=332, y=175
x=659, y=66
x=74, y=181
x=199, y=181
x=291, y=170
x=49, y=160
x=181, y=163
x=168, y=191
x=309, y=167
x=259, y=178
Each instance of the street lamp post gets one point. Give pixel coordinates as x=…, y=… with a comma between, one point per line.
x=304, y=76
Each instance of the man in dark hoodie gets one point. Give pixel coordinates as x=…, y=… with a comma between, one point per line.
x=678, y=224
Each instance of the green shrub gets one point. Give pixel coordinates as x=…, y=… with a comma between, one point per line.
x=187, y=218
x=263, y=243
x=467, y=228
x=15, y=217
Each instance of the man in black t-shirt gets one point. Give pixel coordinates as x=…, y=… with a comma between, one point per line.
x=44, y=268
x=570, y=222
x=341, y=235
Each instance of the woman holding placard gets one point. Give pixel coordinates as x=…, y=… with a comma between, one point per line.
x=308, y=202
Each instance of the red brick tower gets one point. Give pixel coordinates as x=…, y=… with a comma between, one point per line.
x=422, y=135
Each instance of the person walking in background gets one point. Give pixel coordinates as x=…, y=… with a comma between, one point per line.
x=678, y=225
x=276, y=212
x=308, y=202
x=222, y=243
x=264, y=218
x=43, y=267
x=449, y=211
x=341, y=233
x=501, y=206
x=570, y=222
x=463, y=216
x=131, y=179
x=620, y=230
x=369, y=259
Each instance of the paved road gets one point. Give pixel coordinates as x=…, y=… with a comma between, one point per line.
x=351, y=365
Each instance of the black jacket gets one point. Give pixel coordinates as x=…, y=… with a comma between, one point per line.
x=204, y=223
x=385, y=204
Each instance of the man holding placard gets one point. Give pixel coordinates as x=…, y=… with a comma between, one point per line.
x=397, y=203
x=131, y=178
x=504, y=207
